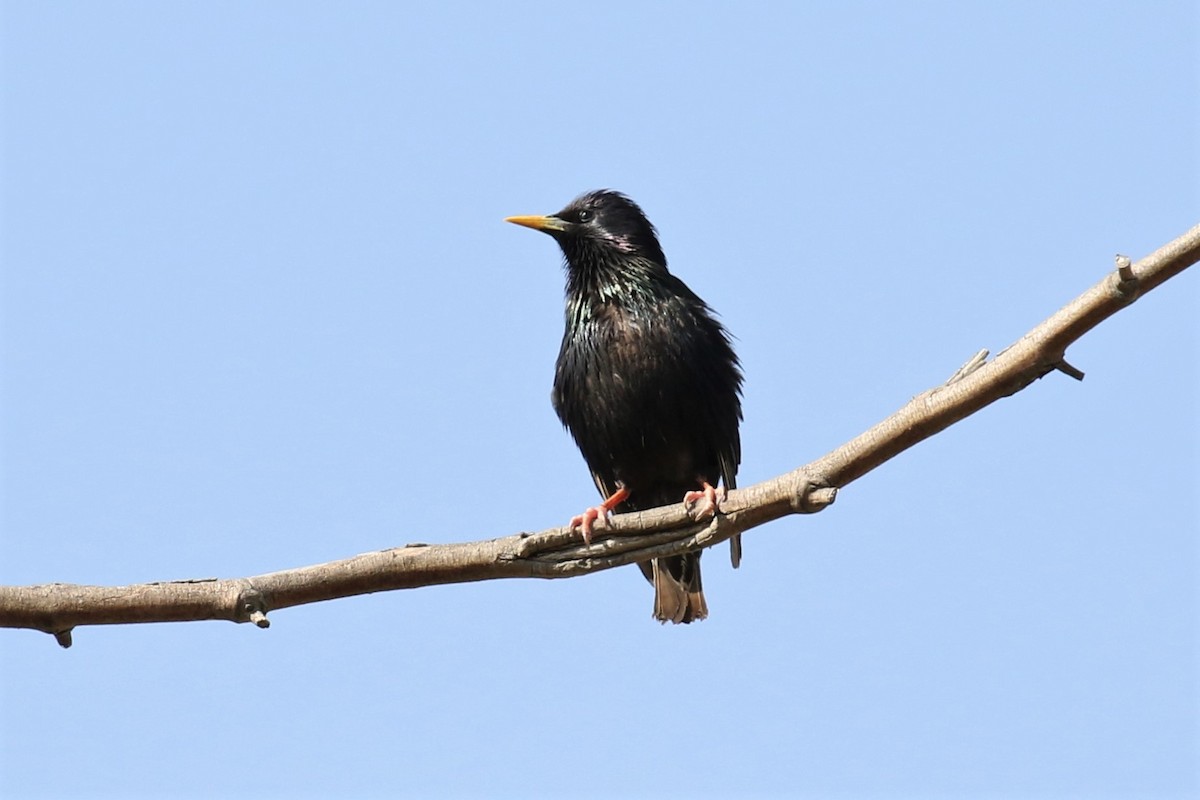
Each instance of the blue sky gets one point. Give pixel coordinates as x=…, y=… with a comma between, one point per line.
x=260, y=310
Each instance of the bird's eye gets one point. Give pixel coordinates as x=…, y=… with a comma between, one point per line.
x=585, y=215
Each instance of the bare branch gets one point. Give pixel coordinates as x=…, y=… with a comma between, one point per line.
x=628, y=538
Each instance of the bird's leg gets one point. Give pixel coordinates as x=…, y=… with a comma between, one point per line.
x=709, y=495
x=601, y=511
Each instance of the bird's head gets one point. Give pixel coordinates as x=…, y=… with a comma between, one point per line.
x=601, y=229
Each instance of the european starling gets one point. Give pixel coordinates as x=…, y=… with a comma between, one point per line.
x=646, y=381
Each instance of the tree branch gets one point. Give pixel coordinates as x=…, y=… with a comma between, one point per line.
x=628, y=538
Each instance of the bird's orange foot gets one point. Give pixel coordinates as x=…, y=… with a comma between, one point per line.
x=586, y=520
x=709, y=495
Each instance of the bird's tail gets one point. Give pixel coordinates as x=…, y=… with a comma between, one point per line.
x=678, y=595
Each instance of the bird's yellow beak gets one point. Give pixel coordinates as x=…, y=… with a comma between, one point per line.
x=546, y=224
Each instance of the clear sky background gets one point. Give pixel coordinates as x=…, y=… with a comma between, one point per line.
x=260, y=310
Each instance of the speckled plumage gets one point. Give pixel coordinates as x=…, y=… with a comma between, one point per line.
x=646, y=379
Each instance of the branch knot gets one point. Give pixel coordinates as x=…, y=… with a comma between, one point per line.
x=808, y=496
x=1127, y=286
x=250, y=605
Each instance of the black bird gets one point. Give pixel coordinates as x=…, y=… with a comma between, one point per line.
x=646, y=381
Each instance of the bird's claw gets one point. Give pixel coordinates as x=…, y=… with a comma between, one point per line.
x=710, y=506
x=585, y=521
x=601, y=511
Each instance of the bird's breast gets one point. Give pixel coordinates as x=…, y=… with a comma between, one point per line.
x=627, y=387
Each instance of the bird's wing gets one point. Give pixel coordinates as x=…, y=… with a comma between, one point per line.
x=728, y=462
x=729, y=459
